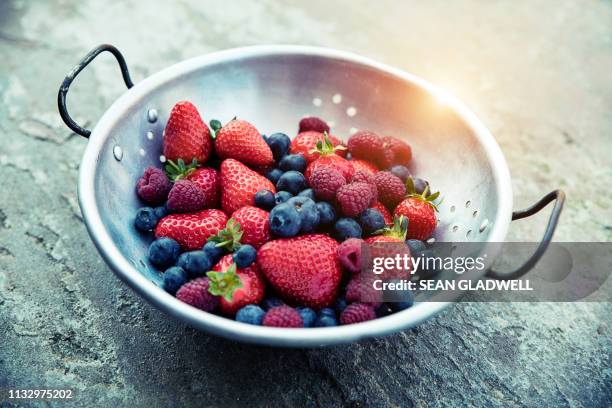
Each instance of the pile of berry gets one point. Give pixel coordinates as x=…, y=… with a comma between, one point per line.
x=237, y=216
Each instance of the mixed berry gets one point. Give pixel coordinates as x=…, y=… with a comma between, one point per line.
x=269, y=230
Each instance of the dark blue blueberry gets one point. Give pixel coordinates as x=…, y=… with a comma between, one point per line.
x=285, y=220
x=291, y=181
x=347, y=228
x=273, y=175
x=327, y=214
x=295, y=162
x=400, y=171
x=308, y=212
x=340, y=304
x=146, y=219
x=416, y=246
x=174, y=278
x=383, y=310
x=160, y=212
x=328, y=311
x=269, y=303
x=164, y=251
x=282, y=196
x=264, y=199
x=308, y=315
x=213, y=251
x=419, y=185
x=195, y=263
x=279, y=144
x=371, y=220
x=244, y=256
x=250, y=314
x=326, y=321
x=309, y=192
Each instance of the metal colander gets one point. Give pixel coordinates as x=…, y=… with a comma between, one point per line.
x=273, y=87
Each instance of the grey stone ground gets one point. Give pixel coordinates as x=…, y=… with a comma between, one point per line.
x=538, y=74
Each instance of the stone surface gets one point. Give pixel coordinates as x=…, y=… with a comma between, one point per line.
x=538, y=74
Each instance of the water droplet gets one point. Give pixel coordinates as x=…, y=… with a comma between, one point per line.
x=150, y=135
x=484, y=225
x=162, y=158
x=337, y=98
x=118, y=152
x=431, y=241
x=351, y=111
x=317, y=102
x=152, y=115
x=352, y=131
x=141, y=152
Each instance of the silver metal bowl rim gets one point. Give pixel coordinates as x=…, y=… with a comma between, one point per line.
x=258, y=334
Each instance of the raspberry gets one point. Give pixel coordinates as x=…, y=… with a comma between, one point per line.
x=360, y=291
x=349, y=254
x=325, y=181
x=386, y=159
x=402, y=153
x=390, y=188
x=356, y=313
x=185, y=196
x=283, y=316
x=153, y=186
x=354, y=198
x=365, y=177
x=313, y=123
x=365, y=145
x=195, y=293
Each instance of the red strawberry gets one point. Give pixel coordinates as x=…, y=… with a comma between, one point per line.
x=206, y=179
x=303, y=270
x=328, y=157
x=420, y=211
x=362, y=165
x=402, y=153
x=305, y=142
x=239, y=184
x=395, y=233
x=365, y=145
x=186, y=136
x=383, y=210
x=389, y=244
x=191, y=230
x=390, y=188
x=255, y=225
x=236, y=287
x=313, y=123
x=239, y=140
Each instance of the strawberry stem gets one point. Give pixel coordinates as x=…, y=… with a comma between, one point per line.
x=177, y=171
x=326, y=147
x=425, y=196
x=229, y=237
x=399, y=229
x=224, y=283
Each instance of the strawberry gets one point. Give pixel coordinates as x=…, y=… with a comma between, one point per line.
x=186, y=136
x=205, y=178
x=239, y=184
x=305, y=142
x=366, y=166
x=303, y=270
x=383, y=210
x=329, y=158
x=402, y=153
x=191, y=230
x=236, y=288
x=420, y=210
x=239, y=140
x=255, y=225
x=395, y=233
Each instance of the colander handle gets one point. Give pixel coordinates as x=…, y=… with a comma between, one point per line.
x=559, y=197
x=63, y=91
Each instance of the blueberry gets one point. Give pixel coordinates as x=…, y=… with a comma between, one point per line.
x=295, y=162
x=308, y=212
x=309, y=192
x=264, y=199
x=146, y=219
x=340, y=304
x=419, y=185
x=244, y=256
x=416, y=246
x=160, y=212
x=347, y=228
x=371, y=220
x=195, y=263
x=279, y=144
x=291, y=181
x=282, y=196
x=269, y=303
x=164, y=251
x=327, y=311
x=326, y=321
x=174, y=278
x=327, y=214
x=285, y=220
x=250, y=314
x=308, y=315
x=400, y=171
x=213, y=251
x=273, y=175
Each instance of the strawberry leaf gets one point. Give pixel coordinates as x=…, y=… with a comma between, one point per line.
x=229, y=237
x=224, y=283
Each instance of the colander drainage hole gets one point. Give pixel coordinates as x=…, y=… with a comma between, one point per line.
x=317, y=102
x=431, y=241
x=351, y=111
x=162, y=158
x=337, y=98
x=141, y=152
x=455, y=228
x=118, y=152
x=484, y=225
x=452, y=208
x=150, y=135
x=468, y=234
x=467, y=204
x=152, y=115
x=475, y=214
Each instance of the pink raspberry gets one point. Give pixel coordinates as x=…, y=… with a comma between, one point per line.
x=365, y=177
x=390, y=188
x=365, y=145
x=402, y=153
x=186, y=196
x=360, y=290
x=313, y=123
x=356, y=313
x=354, y=198
x=325, y=182
x=196, y=294
x=349, y=254
x=153, y=186
x=283, y=316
